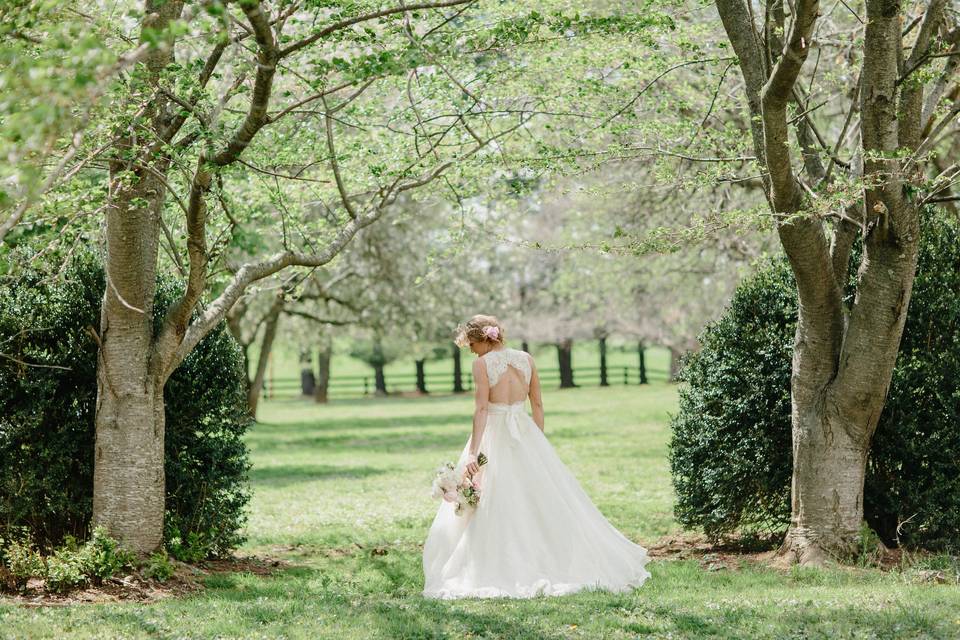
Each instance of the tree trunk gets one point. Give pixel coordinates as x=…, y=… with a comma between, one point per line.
x=266, y=346
x=565, y=360
x=525, y=346
x=308, y=381
x=827, y=486
x=380, y=380
x=674, y=363
x=457, y=371
x=643, y=362
x=128, y=477
x=421, y=376
x=603, y=362
x=323, y=373
x=843, y=357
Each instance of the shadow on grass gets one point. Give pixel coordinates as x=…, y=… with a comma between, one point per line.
x=322, y=423
x=384, y=443
x=383, y=593
x=286, y=474
x=355, y=423
x=402, y=615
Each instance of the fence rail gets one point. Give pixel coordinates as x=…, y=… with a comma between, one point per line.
x=353, y=386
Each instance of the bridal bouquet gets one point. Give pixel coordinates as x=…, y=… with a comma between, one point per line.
x=457, y=488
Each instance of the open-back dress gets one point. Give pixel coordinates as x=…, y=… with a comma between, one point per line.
x=535, y=531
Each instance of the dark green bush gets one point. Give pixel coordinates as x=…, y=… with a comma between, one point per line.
x=731, y=453
x=730, y=448
x=47, y=416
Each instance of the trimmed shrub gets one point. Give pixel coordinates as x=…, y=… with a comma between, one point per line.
x=47, y=415
x=731, y=448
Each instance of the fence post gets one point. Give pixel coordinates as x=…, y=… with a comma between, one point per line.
x=603, y=362
x=626, y=375
x=643, y=363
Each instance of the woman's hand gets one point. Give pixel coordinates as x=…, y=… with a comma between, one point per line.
x=472, y=465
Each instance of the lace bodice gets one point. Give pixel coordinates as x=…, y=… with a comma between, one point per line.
x=498, y=361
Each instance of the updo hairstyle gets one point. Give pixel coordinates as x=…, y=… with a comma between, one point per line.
x=476, y=330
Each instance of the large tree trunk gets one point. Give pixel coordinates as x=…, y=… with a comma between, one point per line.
x=843, y=358
x=603, y=362
x=421, y=376
x=565, y=360
x=266, y=347
x=323, y=373
x=457, y=371
x=128, y=478
x=827, y=486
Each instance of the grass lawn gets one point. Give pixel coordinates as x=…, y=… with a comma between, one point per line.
x=341, y=495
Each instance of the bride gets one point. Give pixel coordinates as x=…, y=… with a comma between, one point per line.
x=534, y=531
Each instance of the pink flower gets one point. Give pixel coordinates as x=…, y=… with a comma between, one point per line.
x=491, y=332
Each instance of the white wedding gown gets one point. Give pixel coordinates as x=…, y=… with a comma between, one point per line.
x=535, y=530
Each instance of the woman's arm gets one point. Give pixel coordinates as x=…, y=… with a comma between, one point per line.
x=536, y=402
x=481, y=397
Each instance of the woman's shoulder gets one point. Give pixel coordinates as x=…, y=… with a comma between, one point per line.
x=521, y=355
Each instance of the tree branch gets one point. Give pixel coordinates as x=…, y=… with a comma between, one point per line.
x=267, y=57
x=343, y=24
x=911, y=95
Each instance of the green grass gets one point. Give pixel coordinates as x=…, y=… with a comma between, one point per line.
x=331, y=483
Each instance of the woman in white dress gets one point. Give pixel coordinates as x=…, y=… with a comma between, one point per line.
x=534, y=531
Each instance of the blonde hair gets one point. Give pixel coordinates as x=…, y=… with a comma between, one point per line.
x=475, y=331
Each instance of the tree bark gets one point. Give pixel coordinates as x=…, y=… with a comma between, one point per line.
x=674, y=363
x=379, y=380
x=643, y=362
x=128, y=480
x=827, y=486
x=266, y=347
x=323, y=373
x=565, y=360
x=457, y=371
x=421, y=376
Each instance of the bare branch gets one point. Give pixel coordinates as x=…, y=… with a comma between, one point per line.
x=335, y=164
x=343, y=24
x=911, y=97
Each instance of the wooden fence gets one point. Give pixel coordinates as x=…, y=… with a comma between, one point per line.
x=356, y=386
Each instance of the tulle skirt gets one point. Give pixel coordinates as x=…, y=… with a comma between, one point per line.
x=535, y=531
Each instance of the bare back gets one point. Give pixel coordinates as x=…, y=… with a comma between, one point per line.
x=508, y=373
